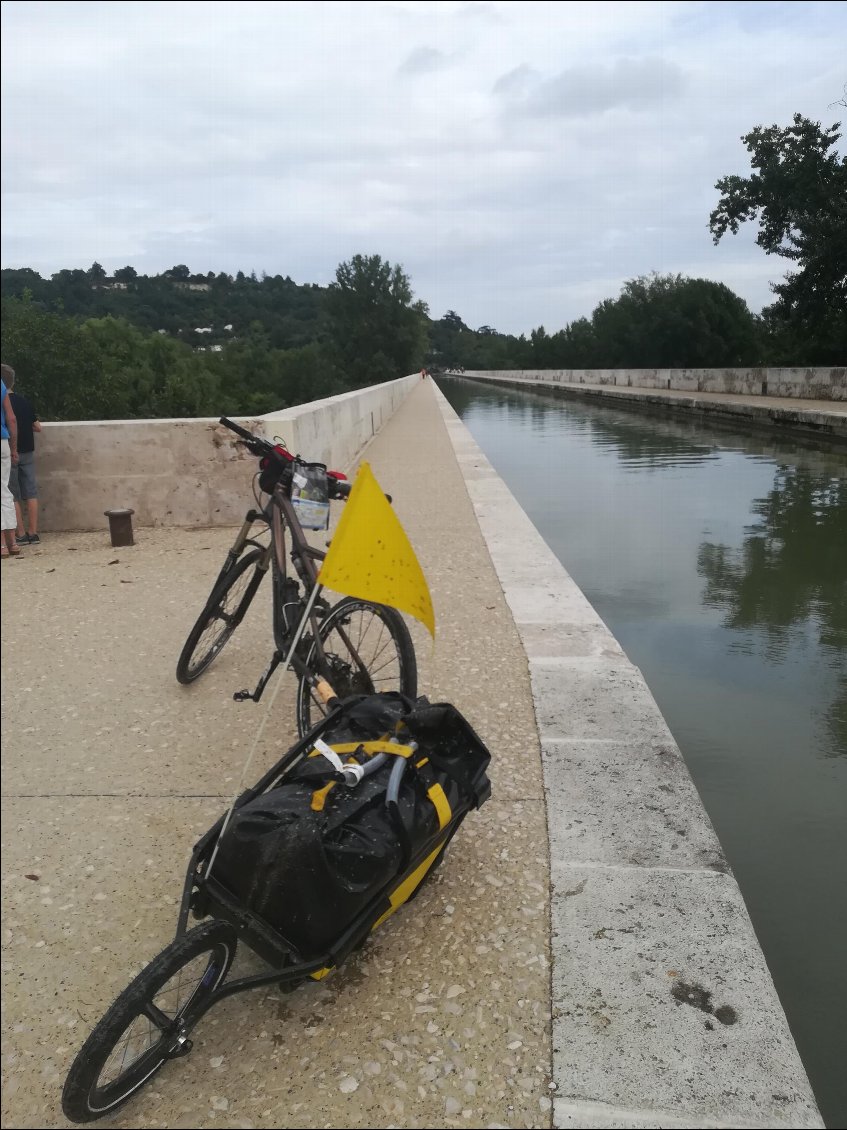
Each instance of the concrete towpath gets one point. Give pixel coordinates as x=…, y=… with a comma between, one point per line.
x=111, y=771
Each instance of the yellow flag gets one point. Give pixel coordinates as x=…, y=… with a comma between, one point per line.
x=371, y=558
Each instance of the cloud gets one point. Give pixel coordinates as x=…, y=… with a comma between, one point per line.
x=582, y=91
x=422, y=61
x=515, y=81
x=548, y=152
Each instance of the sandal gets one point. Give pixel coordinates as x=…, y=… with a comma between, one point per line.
x=4, y=552
x=14, y=550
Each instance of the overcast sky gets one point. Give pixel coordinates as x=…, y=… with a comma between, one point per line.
x=520, y=160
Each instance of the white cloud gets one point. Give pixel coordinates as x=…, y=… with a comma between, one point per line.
x=519, y=159
x=582, y=90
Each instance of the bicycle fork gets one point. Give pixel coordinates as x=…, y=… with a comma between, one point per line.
x=242, y=537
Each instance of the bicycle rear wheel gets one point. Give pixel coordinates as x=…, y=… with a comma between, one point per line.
x=228, y=602
x=368, y=649
x=149, y=1022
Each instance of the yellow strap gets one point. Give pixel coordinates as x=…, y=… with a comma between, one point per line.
x=404, y=891
x=375, y=747
x=319, y=797
x=442, y=805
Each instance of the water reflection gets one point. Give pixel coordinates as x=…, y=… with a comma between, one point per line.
x=789, y=578
x=663, y=444
x=792, y=565
x=719, y=561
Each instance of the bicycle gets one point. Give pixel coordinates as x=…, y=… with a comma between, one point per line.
x=354, y=646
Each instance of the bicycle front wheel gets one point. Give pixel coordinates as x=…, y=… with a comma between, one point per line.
x=224, y=611
x=149, y=1022
x=367, y=648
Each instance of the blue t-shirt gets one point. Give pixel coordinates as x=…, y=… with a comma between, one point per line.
x=3, y=402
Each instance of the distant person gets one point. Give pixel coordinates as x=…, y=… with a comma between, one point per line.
x=8, y=456
x=22, y=482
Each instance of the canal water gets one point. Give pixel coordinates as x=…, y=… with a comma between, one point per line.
x=718, y=559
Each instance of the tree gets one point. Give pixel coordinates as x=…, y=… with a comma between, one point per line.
x=71, y=291
x=798, y=196
x=57, y=366
x=96, y=274
x=376, y=328
x=668, y=321
x=452, y=319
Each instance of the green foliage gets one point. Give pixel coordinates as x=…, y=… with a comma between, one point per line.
x=180, y=302
x=55, y=363
x=377, y=330
x=798, y=196
x=667, y=321
x=453, y=345
x=152, y=375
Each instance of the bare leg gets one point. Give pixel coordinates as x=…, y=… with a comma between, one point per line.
x=32, y=515
x=19, y=516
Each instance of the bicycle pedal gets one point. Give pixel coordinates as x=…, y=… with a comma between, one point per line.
x=242, y=696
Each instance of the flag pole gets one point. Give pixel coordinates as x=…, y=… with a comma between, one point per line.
x=301, y=627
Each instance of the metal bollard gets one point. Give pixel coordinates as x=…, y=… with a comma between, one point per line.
x=120, y=526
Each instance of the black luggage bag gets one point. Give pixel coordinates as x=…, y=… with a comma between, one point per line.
x=355, y=823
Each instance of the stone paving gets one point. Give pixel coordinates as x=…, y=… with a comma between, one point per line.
x=111, y=771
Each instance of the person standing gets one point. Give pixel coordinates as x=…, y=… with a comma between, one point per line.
x=22, y=482
x=8, y=456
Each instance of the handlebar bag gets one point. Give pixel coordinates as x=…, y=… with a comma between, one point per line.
x=311, y=855
x=310, y=494
x=273, y=467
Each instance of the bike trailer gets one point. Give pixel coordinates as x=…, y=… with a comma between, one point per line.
x=337, y=835
x=349, y=829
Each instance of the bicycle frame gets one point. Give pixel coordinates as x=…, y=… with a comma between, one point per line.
x=305, y=559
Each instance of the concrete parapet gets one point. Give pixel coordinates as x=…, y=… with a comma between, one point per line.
x=800, y=383
x=664, y=1011
x=190, y=472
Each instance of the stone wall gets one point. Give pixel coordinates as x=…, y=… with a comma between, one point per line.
x=191, y=472
x=812, y=384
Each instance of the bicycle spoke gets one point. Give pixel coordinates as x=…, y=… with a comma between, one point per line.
x=139, y=1038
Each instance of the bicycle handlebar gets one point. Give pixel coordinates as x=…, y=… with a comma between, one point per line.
x=338, y=488
x=261, y=445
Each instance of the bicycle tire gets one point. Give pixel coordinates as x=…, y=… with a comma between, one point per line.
x=86, y=1095
x=204, y=646
x=385, y=649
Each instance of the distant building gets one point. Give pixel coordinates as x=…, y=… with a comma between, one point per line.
x=203, y=330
